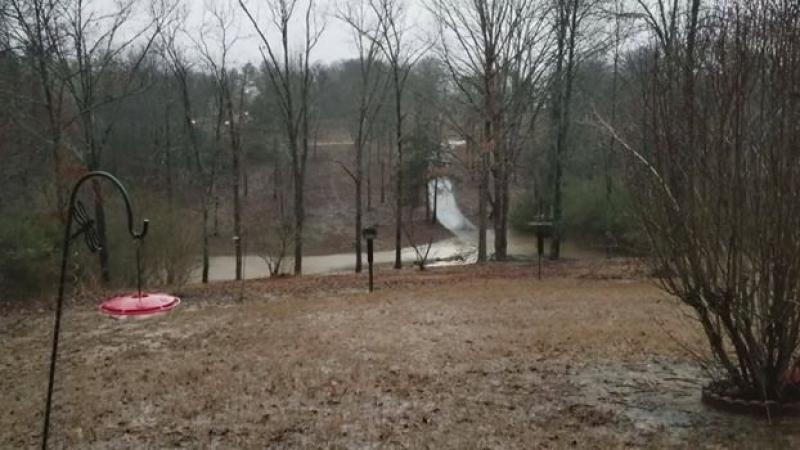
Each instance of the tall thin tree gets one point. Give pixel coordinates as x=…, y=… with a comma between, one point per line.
x=401, y=53
x=292, y=78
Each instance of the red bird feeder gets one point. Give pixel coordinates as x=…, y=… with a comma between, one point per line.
x=139, y=305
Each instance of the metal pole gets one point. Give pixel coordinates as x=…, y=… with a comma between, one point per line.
x=57, y=326
x=540, y=250
x=369, y=261
x=87, y=229
x=540, y=266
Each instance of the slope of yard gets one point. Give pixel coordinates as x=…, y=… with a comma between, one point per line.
x=451, y=358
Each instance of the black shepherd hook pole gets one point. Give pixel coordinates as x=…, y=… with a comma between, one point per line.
x=78, y=213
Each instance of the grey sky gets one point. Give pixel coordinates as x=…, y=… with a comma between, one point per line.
x=335, y=43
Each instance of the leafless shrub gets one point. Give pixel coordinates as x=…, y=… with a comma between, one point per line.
x=273, y=246
x=421, y=247
x=717, y=180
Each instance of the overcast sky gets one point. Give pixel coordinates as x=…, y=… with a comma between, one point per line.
x=336, y=42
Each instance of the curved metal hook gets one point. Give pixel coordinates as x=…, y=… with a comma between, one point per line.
x=128, y=209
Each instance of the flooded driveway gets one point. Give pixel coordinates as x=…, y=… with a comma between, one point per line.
x=459, y=249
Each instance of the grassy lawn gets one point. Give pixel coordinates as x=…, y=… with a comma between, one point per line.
x=451, y=358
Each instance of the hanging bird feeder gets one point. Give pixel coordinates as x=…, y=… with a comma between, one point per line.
x=139, y=304
x=136, y=304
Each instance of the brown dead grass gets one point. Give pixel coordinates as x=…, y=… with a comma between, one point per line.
x=470, y=357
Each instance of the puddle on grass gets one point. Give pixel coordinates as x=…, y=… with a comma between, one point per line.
x=661, y=394
x=654, y=395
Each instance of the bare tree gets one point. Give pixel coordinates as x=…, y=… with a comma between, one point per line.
x=494, y=53
x=35, y=27
x=570, y=19
x=609, y=150
x=371, y=91
x=401, y=54
x=292, y=78
x=204, y=164
x=222, y=30
x=87, y=60
x=716, y=180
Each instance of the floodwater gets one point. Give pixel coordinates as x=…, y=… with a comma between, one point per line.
x=223, y=267
x=459, y=249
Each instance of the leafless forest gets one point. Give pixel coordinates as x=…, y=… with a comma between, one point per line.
x=501, y=97
x=263, y=136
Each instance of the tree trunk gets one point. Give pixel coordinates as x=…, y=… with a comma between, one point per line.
x=104, y=257
x=100, y=221
x=237, y=215
x=275, y=180
x=483, y=195
x=59, y=183
x=382, y=157
x=500, y=209
x=206, y=262
x=435, y=200
x=427, y=200
x=170, y=188
x=299, y=215
x=610, y=148
x=501, y=234
x=216, y=214
x=369, y=178
x=168, y=159
x=358, y=180
x=563, y=88
x=555, y=242
x=398, y=262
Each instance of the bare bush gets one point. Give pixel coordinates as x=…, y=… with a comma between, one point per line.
x=422, y=247
x=718, y=196
x=273, y=246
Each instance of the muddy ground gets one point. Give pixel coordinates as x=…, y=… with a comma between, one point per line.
x=452, y=358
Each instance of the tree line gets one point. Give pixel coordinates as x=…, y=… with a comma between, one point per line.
x=132, y=88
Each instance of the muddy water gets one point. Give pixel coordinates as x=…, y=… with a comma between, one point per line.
x=459, y=249
x=223, y=267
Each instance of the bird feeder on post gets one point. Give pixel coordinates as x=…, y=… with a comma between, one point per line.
x=543, y=230
x=370, y=233
x=139, y=303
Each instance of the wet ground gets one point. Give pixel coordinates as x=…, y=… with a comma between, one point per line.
x=469, y=357
x=456, y=250
x=459, y=247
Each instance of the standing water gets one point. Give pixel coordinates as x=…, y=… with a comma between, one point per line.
x=459, y=249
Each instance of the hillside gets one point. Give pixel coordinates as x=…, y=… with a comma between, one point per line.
x=330, y=207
